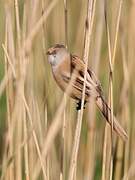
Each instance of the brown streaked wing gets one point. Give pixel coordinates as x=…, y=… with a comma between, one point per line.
x=91, y=77
x=77, y=87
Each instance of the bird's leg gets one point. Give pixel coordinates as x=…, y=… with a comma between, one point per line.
x=79, y=105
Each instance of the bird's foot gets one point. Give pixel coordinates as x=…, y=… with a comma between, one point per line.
x=79, y=105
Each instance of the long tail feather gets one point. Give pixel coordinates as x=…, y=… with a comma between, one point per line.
x=106, y=111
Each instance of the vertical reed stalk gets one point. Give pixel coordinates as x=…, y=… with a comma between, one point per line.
x=89, y=25
x=112, y=54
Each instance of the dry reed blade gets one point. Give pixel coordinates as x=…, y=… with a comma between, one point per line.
x=89, y=25
x=54, y=127
x=91, y=139
x=112, y=54
x=37, y=27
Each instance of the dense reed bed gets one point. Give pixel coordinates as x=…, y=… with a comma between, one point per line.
x=42, y=136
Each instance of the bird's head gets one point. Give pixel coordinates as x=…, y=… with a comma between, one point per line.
x=56, y=54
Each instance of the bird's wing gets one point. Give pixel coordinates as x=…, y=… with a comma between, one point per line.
x=101, y=103
x=91, y=79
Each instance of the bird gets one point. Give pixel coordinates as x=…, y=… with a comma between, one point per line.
x=64, y=65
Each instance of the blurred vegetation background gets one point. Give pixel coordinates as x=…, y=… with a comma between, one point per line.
x=30, y=98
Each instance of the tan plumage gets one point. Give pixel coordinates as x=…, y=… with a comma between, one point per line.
x=63, y=66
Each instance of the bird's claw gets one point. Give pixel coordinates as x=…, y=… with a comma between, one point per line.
x=79, y=105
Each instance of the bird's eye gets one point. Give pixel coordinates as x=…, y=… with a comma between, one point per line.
x=54, y=52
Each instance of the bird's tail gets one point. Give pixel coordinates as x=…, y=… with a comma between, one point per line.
x=106, y=111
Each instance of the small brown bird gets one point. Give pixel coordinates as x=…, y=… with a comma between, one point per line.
x=63, y=66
